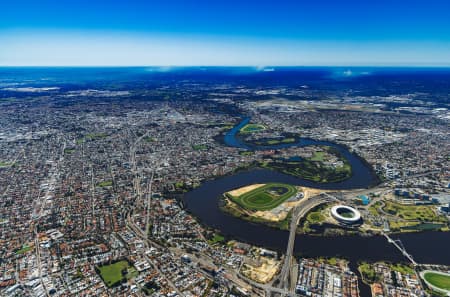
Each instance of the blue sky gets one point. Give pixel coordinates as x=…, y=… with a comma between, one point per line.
x=254, y=33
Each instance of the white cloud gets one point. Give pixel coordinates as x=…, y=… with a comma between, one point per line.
x=347, y=73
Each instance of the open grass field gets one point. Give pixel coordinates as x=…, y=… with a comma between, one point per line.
x=96, y=136
x=411, y=218
x=252, y=128
x=439, y=280
x=412, y=212
x=278, y=141
x=265, y=197
x=318, y=156
x=4, y=164
x=107, y=183
x=274, y=141
x=216, y=239
x=199, y=147
x=112, y=274
x=315, y=217
x=69, y=151
x=310, y=170
x=405, y=269
x=25, y=248
x=368, y=273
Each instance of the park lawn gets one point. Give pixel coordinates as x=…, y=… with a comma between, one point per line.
x=438, y=280
x=288, y=140
x=25, y=248
x=278, y=141
x=216, y=239
x=374, y=208
x=273, y=141
x=112, y=274
x=91, y=136
x=346, y=168
x=411, y=212
x=69, y=151
x=246, y=153
x=149, y=139
x=227, y=127
x=132, y=272
x=398, y=225
x=317, y=156
x=266, y=197
x=106, y=183
x=315, y=217
x=4, y=164
x=405, y=269
x=424, y=227
x=368, y=273
x=199, y=147
x=252, y=128
x=96, y=136
x=310, y=170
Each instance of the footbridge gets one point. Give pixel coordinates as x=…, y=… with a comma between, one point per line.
x=399, y=245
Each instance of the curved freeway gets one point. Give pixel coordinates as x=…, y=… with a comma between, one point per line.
x=298, y=212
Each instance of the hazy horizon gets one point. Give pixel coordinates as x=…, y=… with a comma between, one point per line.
x=232, y=33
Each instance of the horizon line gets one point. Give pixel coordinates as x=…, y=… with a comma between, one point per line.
x=231, y=66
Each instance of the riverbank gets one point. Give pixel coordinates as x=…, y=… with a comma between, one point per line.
x=203, y=203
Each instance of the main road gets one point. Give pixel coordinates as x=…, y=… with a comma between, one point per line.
x=298, y=212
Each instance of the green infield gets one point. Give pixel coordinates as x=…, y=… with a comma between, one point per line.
x=439, y=280
x=266, y=197
x=252, y=128
x=346, y=213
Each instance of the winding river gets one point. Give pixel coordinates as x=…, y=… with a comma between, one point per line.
x=203, y=202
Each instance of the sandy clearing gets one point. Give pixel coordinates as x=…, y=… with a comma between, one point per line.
x=243, y=190
x=262, y=273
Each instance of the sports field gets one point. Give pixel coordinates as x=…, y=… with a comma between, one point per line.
x=264, y=197
x=113, y=274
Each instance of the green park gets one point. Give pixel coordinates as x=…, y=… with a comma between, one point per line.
x=115, y=273
x=252, y=128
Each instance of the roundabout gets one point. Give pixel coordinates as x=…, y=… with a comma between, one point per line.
x=345, y=214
